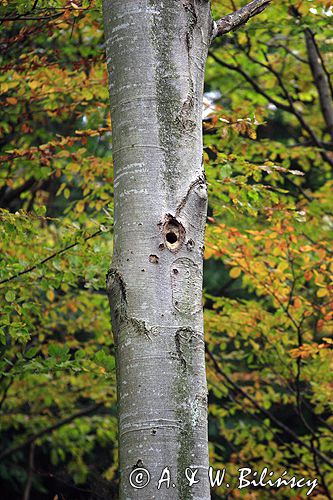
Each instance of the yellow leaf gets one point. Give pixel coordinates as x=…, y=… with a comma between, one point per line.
x=4, y=88
x=283, y=266
x=305, y=248
x=80, y=206
x=235, y=272
x=322, y=292
x=50, y=295
x=74, y=167
x=33, y=85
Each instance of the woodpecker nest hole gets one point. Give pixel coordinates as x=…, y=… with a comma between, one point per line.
x=173, y=232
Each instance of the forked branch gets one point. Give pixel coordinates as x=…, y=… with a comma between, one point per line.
x=237, y=19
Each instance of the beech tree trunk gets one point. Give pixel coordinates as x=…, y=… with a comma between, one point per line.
x=156, y=55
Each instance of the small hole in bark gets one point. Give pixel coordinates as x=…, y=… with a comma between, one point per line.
x=190, y=244
x=153, y=431
x=171, y=237
x=138, y=464
x=175, y=271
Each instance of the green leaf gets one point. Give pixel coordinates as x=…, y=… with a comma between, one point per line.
x=10, y=296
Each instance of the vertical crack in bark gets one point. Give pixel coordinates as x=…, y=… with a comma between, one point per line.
x=179, y=349
x=193, y=21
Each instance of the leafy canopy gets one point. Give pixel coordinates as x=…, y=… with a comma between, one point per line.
x=268, y=268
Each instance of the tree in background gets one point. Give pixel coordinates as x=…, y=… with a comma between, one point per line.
x=268, y=267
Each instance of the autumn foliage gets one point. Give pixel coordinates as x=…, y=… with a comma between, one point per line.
x=268, y=154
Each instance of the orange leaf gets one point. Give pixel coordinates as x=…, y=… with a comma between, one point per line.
x=11, y=100
x=235, y=272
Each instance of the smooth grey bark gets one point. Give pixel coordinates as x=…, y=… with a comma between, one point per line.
x=156, y=55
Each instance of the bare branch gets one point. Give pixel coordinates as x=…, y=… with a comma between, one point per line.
x=290, y=107
x=280, y=425
x=48, y=430
x=252, y=81
x=237, y=19
x=40, y=263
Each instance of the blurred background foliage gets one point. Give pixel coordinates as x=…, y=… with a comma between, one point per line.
x=268, y=152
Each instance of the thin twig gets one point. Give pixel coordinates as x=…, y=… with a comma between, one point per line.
x=290, y=108
x=267, y=413
x=49, y=429
x=40, y=263
x=27, y=489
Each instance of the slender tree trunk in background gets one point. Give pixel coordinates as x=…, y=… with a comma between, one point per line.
x=156, y=55
x=321, y=80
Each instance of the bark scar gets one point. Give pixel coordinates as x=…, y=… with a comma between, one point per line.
x=114, y=275
x=116, y=288
x=179, y=349
x=189, y=5
x=118, y=301
x=200, y=182
x=186, y=281
x=142, y=329
x=184, y=116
